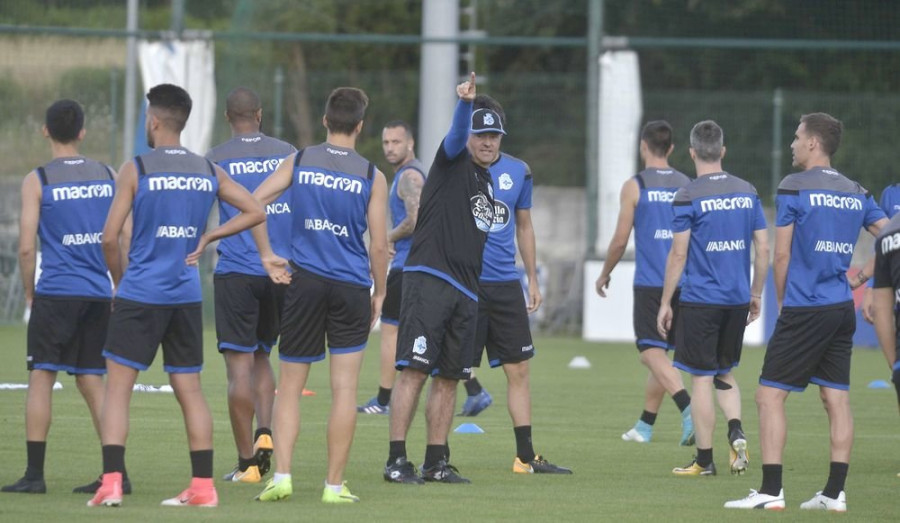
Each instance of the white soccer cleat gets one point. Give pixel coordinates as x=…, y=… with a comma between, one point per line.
x=823, y=502
x=759, y=500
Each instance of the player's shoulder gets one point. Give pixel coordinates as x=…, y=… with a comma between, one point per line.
x=741, y=185
x=514, y=165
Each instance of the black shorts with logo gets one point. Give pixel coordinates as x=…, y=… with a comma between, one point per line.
x=248, y=312
x=810, y=346
x=67, y=334
x=316, y=308
x=390, y=309
x=437, y=327
x=709, y=338
x=137, y=329
x=502, y=324
x=644, y=314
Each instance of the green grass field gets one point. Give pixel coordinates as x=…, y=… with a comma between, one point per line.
x=578, y=418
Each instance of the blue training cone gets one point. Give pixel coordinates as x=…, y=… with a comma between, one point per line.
x=469, y=428
x=879, y=384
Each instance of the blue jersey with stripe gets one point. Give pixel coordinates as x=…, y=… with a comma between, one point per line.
x=890, y=200
x=722, y=212
x=653, y=217
x=76, y=193
x=249, y=159
x=513, y=186
x=330, y=199
x=175, y=192
x=827, y=210
x=398, y=212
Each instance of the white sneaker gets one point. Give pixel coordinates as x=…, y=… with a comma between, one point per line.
x=822, y=502
x=759, y=500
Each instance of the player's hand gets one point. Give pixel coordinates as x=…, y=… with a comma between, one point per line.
x=603, y=284
x=755, y=308
x=534, y=296
x=277, y=268
x=377, y=301
x=664, y=320
x=466, y=90
x=194, y=257
x=868, y=312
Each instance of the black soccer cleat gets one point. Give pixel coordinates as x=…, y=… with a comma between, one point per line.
x=538, y=465
x=443, y=472
x=91, y=488
x=402, y=471
x=26, y=486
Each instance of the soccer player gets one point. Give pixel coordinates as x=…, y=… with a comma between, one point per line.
x=645, y=204
x=716, y=217
x=885, y=293
x=247, y=301
x=409, y=176
x=502, y=324
x=890, y=204
x=65, y=203
x=336, y=195
x=168, y=193
x=819, y=215
x=439, y=308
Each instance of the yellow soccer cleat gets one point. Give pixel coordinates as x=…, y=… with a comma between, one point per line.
x=695, y=470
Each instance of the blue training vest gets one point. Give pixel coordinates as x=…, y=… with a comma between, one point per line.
x=176, y=190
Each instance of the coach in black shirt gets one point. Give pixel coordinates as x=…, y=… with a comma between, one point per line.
x=439, y=306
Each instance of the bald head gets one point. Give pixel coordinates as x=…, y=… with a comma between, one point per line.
x=243, y=108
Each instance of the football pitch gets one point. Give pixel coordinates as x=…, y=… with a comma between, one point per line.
x=578, y=417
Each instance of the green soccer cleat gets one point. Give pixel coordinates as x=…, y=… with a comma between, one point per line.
x=345, y=496
x=276, y=491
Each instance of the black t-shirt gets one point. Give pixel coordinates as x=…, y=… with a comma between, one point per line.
x=456, y=211
x=887, y=261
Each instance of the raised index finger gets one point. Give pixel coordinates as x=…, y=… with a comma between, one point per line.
x=472, y=79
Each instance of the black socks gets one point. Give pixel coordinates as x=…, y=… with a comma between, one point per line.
x=384, y=396
x=524, y=449
x=201, y=463
x=36, y=451
x=473, y=388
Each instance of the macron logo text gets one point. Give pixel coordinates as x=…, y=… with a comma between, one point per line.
x=660, y=196
x=726, y=204
x=254, y=166
x=835, y=201
x=329, y=181
x=180, y=183
x=83, y=191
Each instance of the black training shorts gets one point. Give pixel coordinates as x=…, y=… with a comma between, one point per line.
x=437, y=327
x=810, y=346
x=316, y=308
x=503, y=326
x=248, y=312
x=390, y=309
x=709, y=338
x=137, y=329
x=67, y=334
x=645, y=312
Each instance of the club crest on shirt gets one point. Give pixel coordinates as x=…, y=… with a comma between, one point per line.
x=506, y=182
x=482, y=211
